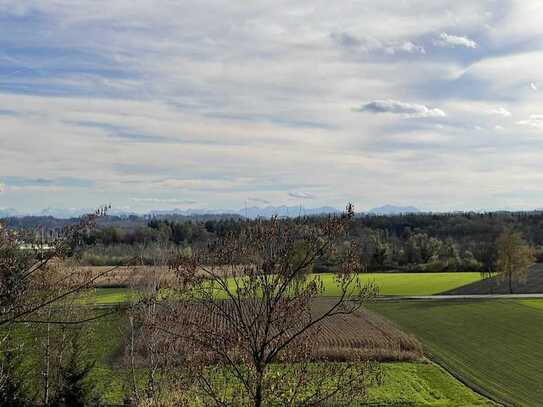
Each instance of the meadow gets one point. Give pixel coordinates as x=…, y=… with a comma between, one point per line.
x=389, y=284
x=407, y=283
x=495, y=346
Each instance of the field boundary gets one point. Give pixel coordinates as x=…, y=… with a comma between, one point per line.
x=476, y=388
x=445, y=297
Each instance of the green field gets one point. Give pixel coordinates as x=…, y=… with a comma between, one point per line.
x=422, y=384
x=537, y=304
x=403, y=384
x=388, y=283
x=408, y=283
x=495, y=346
x=103, y=296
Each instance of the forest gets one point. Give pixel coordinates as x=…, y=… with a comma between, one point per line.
x=425, y=242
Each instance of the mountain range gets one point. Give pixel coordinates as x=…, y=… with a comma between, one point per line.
x=393, y=210
x=249, y=212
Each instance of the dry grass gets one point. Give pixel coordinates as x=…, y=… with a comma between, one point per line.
x=133, y=276
x=125, y=276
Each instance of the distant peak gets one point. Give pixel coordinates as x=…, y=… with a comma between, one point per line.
x=393, y=210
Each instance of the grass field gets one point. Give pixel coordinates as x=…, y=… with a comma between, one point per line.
x=537, y=304
x=403, y=384
x=103, y=296
x=388, y=283
x=408, y=283
x=495, y=346
x=422, y=384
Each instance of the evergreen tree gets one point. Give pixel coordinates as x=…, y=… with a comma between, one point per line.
x=75, y=390
x=12, y=391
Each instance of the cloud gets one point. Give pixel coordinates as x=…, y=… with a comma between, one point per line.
x=407, y=46
x=447, y=40
x=173, y=201
x=301, y=195
x=123, y=133
x=259, y=200
x=500, y=111
x=371, y=44
x=412, y=48
x=408, y=110
x=145, y=100
x=346, y=40
x=42, y=182
x=535, y=121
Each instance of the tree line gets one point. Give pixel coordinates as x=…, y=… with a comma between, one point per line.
x=411, y=242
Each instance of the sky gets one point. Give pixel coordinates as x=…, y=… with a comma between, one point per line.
x=217, y=104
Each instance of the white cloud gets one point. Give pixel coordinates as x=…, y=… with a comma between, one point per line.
x=407, y=46
x=447, y=40
x=500, y=111
x=412, y=48
x=371, y=44
x=409, y=110
x=535, y=120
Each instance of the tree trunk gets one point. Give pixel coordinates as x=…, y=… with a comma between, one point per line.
x=132, y=358
x=46, y=372
x=510, y=282
x=258, y=390
x=258, y=395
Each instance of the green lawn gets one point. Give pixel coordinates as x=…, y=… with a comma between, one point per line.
x=495, y=345
x=388, y=283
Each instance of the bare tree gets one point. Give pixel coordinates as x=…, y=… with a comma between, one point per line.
x=243, y=305
x=514, y=256
x=146, y=347
x=24, y=266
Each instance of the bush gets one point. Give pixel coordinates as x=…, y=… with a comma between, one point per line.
x=75, y=390
x=12, y=392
